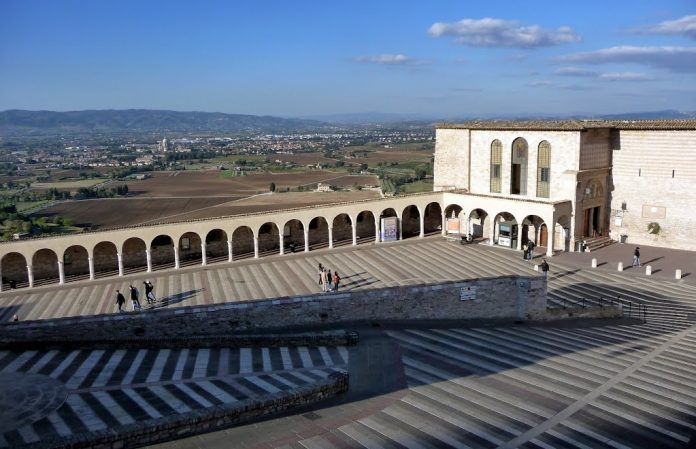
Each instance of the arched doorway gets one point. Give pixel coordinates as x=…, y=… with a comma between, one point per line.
x=365, y=231
x=318, y=233
x=479, y=224
x=242, y=243
x=106, y=259
x=216, y=246
x=14, y=271
x=190, y=252
x=44, y=265
x=293, y=234
x=410, y=222
x=543, y=235
x=432, y=219
x=162, y=252
x=531, y=230
x=76, y=262
x=269, y=239
x=342, y=230
x=455, y=220
x=506, y=232
x=134, y=256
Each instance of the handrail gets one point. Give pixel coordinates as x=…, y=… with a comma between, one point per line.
x=634, y=309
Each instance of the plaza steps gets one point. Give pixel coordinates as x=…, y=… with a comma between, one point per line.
x=595, y=243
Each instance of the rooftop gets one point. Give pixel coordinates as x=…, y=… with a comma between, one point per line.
x=571, y=125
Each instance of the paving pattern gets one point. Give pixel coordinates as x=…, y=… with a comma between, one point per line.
x=616, y=385
x=609, y=386
x=103, y=389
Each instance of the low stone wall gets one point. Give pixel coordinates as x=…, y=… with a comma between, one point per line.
x=509, y=297
x=174, y=427
x=324, y=338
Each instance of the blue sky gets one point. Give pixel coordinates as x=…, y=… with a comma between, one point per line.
x=298, y=58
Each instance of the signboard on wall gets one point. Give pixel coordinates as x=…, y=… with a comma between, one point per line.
x=467, y=293
x=390, y=229
x=453, y=226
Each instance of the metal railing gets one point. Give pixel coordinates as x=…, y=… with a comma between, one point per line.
x=629, y=309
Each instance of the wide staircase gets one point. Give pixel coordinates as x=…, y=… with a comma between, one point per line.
x=595, y=243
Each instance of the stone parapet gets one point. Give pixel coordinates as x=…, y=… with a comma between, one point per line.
x=508, y=297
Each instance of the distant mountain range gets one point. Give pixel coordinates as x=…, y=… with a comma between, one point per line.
x=21, y=122
x=143, y=120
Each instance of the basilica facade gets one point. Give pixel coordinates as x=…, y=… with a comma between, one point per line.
x=597, y=181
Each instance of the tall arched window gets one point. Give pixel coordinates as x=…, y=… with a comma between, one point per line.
x=518, y=167
x=496, y=164
x=544, y=169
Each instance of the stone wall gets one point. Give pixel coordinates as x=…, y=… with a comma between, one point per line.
x=643, y=179
x=177, y=426
x=510, y=297
x=451, y=166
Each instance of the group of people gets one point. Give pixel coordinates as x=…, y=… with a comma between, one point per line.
x=328, y=281
x=135, y=296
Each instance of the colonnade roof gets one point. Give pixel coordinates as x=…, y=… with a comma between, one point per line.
x=572, y=125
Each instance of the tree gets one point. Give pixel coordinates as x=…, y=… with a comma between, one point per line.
x=272, y=187
x=420, y=173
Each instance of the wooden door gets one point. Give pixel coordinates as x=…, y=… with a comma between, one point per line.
x=543, y=235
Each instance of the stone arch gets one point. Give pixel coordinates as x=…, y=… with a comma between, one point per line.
x=453, y=211
x=410, y=222
x=480, y=226
x=293, y=235
x=133, y=255
x=318, y=232
x=530, y=230
x=269, y=238
x=14, y=270
x=44, y=265
x=506, y=230
x=242, y=243
x=76, y=261
x=190, y=252
x=432, y=218
x=216, y=245
x=519, y=162
x=342, y=230
x=365, y=231
x=162, y=251
x=106, y=259
x=561, y=237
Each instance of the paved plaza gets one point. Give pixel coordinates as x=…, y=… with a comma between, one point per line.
x=620, y=384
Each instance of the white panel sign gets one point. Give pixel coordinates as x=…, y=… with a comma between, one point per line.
x=467, y=293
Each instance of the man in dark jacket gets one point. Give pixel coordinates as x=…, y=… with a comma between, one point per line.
x=544, y=268
x=120, y=301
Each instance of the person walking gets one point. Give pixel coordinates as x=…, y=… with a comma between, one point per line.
x=329, y=279
x=530, y=250
x=134, y=298
x=636, y=257
x=321, y=270
x=149, y=292
x=120, y=301
x=336, y=280
x=544, y=268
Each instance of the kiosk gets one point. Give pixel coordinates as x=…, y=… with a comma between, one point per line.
x=507, y=234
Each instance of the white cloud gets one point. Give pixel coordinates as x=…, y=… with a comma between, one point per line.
x=390, y=59
x=575, y=71
x=489, y=32
x=677, y=59
x=685, y=26
x=618, y=76
x=625, y=76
